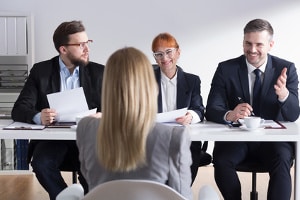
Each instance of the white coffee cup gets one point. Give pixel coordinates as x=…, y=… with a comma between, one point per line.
x=253, y=122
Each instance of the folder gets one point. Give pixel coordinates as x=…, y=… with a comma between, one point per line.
x=271, y=124
x=23, y=126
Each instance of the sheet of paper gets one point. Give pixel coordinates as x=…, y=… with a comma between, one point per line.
x=170, y=116
x=272, y=124
x=69, y=104
x=23, y=126
x=71, y=117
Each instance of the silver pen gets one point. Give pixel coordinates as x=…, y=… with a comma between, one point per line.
x=242, y=101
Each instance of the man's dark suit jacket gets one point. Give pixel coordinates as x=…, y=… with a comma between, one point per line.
x=231, y=81
x=44, y=78
x=188, y=91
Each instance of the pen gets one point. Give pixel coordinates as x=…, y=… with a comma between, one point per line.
x=23, y=127
x=17, y=128
x=242, y=101
x=233, y=125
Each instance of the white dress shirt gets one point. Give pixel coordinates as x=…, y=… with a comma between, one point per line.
x=169, y=96
x=251, y=76
x=68, y=81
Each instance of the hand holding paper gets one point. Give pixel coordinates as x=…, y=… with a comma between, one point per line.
x=69, y=104
x=171, y=116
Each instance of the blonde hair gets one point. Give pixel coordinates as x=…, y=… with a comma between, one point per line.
x=129, y=107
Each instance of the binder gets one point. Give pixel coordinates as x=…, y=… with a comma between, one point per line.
x=23, y=126
x=21, y=154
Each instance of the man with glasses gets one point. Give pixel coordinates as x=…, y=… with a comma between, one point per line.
x=70, y=69
x=178, y=89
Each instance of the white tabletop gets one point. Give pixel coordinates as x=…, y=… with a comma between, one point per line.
x=208, y=131
x=45, y=134
x=205, y=131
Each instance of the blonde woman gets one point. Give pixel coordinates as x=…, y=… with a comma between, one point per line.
x=126, y=143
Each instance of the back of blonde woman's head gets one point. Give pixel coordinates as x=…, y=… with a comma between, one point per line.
x=129, y=107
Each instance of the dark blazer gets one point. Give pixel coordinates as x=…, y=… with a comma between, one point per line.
x=188, y=91
x=230, y=81
x=44, y=78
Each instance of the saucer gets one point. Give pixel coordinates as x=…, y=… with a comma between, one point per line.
x=74, y=127
x=243, y=127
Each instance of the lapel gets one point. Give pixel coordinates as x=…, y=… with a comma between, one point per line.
x=243, y=76
x=268, y=77
x=182, y=88
x=82, y=78
x=55, y=83
x=158, y=80
x=85, y=81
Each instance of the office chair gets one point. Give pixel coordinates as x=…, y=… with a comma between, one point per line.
x=253, y=166
x=76, y=175
x=122, y=189
x=68, y=165
x=199, y=156
x=72, y=192
x=67, y=168
x=132, y=189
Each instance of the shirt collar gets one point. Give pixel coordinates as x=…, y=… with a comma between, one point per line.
x=65, y=70
x=251, y=68
x=165, y=79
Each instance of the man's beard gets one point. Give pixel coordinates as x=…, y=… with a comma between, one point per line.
x=79, y=62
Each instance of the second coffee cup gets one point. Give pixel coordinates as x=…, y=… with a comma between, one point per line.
x=253, y=122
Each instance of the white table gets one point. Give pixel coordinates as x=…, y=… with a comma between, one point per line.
x=208, y=131
x=46, y=134
x=205, y=131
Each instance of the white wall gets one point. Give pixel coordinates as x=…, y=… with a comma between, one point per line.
x=207, y=31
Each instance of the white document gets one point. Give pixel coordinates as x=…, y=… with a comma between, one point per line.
x=171, y=115
x=272, y=124
x=69, y=104
x=23, y=126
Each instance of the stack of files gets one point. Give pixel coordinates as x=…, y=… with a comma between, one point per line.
x=21, y=148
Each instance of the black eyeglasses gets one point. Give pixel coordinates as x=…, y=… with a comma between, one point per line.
x=81, y=45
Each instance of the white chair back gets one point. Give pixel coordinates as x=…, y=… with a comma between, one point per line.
x=206, y=192
x=133, y=190
x=72, y=192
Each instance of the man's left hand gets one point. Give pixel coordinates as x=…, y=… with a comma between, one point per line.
x=280, y=86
